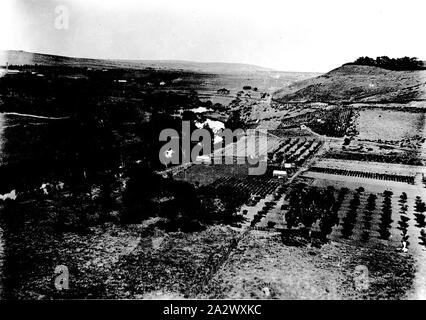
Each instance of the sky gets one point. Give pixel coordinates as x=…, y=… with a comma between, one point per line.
x=296, y=35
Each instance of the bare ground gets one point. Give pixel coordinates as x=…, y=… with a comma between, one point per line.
x=263, y=267
x=112, y=261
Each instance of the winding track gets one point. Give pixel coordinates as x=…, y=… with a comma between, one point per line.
x=34, y=116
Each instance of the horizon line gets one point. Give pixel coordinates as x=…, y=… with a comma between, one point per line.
x=166, y=60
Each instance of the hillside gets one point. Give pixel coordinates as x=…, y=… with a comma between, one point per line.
x=14, y=57
x=355, y=83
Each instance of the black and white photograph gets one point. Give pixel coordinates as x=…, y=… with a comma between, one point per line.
x=227, y=150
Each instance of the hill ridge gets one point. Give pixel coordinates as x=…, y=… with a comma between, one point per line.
x=20, y=57
x=357, y=83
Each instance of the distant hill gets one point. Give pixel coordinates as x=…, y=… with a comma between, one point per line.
x=14, y=57
x=355, y=83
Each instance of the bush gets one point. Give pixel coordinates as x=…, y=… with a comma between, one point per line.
x=398, y=64
x=148, y=194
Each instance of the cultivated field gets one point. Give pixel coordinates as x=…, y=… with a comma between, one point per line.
x=383, y=125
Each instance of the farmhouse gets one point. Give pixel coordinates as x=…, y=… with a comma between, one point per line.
x=204, y=159
x=280, y=174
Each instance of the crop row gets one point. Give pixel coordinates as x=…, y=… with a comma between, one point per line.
x=363, y=174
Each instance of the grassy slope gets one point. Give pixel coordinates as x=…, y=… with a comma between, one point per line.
x=357, y=84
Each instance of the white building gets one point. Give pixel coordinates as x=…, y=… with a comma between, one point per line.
x=280, y=173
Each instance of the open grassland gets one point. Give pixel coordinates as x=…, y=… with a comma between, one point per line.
x=112, y=261
x=262, y=267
